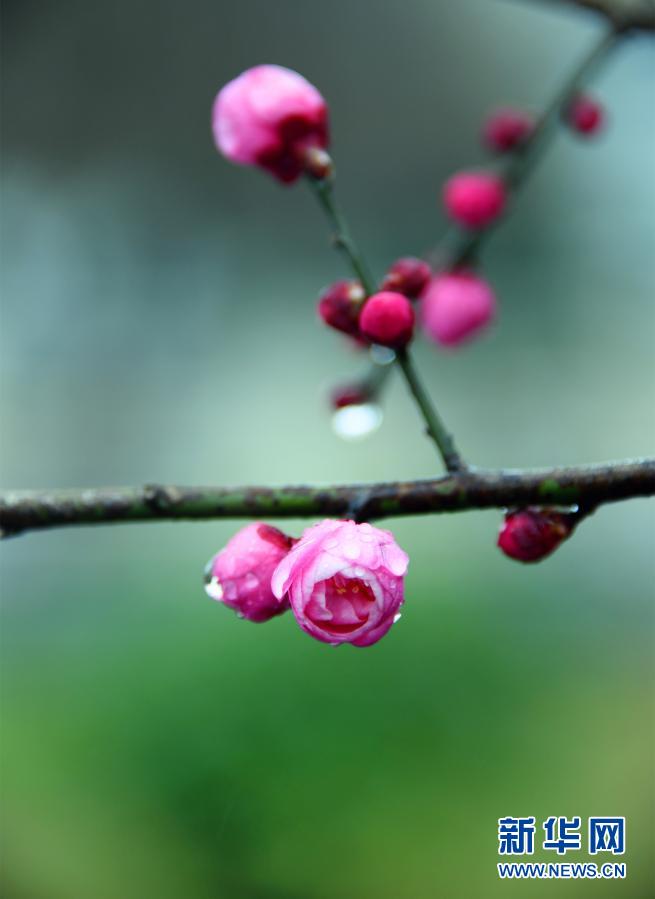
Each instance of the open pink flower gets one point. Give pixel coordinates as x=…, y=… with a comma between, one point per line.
x=269, y=116
x=344, y=581
x=240, y=574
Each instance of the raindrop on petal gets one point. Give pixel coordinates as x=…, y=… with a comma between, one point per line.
x=251, y=581
x=214, y=588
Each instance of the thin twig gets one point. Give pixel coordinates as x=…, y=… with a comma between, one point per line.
x=324, y=190
x=625, y=14
x=435, y=427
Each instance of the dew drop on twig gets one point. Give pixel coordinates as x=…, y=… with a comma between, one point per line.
x=358, y=421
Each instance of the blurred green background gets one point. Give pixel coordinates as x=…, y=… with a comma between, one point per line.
x=158, y=325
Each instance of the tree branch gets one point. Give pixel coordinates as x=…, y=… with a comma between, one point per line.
x=623, y=14
x=587, y=486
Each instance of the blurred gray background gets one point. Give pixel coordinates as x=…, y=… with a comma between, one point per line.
x=158, y=324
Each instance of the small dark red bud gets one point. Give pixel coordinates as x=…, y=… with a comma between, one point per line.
x=409, y=276
x=339, y=306
x=585, y=115
x=507, y=129
x=529, y=535
x=275, y=536
x=349, y=395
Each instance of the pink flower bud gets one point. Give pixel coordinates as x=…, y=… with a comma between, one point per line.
x=340, y=304
x=270, y=117
x=408, y=276
x=529, y=535
x=456, y=306
x=585, y=115
x=240, y=574
x=388, y=319
x=349, y=395
x=344, y=581
x=506, y=129
x=474, y=199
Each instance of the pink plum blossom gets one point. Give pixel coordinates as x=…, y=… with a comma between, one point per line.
x=270, y=116
x=456, y=306
x=240, y=574
x=344, y=581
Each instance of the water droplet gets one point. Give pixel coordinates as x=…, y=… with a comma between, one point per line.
x=382, y=355
x=356, y=422
x=397, y=617
x=251, y=581
x=214, y=588
x=351, y=549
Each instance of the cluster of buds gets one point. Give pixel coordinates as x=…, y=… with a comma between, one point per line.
x=452, y=306
x=344, y=582
x=387, y=317
x=273, y=118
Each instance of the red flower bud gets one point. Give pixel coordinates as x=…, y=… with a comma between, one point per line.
x=408, y=276
x=529, y=535
x=388, y=319
x=474, y=199
x=339, y=306
x=506, y=129
x=585, y=115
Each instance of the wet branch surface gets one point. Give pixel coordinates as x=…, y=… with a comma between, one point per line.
x=587, y=486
